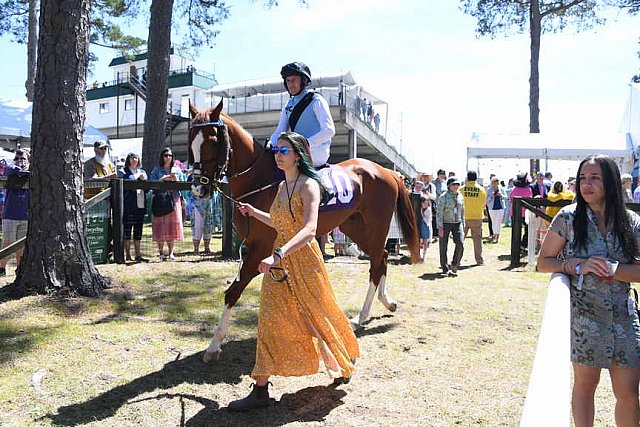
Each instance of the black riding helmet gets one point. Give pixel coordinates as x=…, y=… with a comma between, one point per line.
x=296, y=69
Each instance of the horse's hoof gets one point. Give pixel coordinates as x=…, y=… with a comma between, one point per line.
x=355, y=326
x=210, y=356
x=393, y=307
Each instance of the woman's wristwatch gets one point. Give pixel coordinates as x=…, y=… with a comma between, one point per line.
x=278, y=252
x=578, y=269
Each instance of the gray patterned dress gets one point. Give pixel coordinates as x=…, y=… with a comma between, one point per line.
x=602, y=326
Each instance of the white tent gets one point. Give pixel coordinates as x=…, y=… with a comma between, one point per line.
x=552, y=146
x=119, y=148
x=631, y=120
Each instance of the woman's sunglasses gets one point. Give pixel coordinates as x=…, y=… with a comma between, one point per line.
x=284, y=150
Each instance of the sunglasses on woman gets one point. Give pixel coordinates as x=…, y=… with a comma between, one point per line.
x=283, y=149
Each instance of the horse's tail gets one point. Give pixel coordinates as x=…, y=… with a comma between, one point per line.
x=407, y=219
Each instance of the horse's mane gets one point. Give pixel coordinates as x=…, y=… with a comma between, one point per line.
x=235, y=127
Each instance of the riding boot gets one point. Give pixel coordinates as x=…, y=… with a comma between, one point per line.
x=258, y=398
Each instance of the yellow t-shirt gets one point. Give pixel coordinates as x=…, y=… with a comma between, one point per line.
x=474, y=200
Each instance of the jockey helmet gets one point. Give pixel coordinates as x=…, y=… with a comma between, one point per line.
x=296, y=69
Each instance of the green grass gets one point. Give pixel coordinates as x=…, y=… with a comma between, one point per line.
x=458, y=351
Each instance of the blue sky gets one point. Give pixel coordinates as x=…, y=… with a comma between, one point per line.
x=424, y=59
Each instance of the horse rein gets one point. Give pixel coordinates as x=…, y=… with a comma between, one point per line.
x=216, y=183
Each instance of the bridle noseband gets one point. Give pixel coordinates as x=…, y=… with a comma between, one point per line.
x=198, y=176
x=219, y=175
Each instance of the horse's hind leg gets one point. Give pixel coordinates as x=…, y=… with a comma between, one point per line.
x=374, y=247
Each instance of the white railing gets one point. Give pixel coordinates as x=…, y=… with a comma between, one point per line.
x=548, y=401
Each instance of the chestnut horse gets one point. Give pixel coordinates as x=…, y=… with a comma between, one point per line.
x=218, y=146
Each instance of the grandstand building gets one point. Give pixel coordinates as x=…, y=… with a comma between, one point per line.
x=117, y=108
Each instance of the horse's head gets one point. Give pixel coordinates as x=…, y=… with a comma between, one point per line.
x=209, y=149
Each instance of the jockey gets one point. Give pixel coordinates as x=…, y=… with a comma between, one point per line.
x=306, y=113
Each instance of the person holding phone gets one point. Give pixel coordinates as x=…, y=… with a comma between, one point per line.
x=595, y=242
x=134, y=207
x=15, y=215
x=167, y=228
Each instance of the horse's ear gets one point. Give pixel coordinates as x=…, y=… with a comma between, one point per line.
x=193, y=110
x=218, y=109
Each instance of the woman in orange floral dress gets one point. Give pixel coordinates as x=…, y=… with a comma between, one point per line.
x=300, y=322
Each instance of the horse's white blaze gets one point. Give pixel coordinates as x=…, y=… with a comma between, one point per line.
x=221, y=331
x=195, y=146
x=366, y=307
x=390, y=304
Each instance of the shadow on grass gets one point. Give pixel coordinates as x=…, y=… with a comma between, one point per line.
x=402, y=260
x=10, y=292
x=306, y=405
x=432, y=276
x=190, y=370
x=381, y=329
x=18, y=340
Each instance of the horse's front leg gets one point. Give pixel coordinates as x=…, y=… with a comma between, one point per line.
x=247, y=270
x=215, y=347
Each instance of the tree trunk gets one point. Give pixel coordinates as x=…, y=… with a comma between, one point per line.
x=32, y=46
x=535, y=22
x=155, y=114
x=57, y=255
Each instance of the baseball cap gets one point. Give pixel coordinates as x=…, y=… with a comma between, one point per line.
x=101, y=143
x=453, y=180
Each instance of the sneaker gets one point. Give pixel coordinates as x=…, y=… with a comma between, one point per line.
x=162, y=257
x=452, y=273
x=3, y=271
x=170, y=257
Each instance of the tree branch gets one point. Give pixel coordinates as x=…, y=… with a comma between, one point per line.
x=560, y=8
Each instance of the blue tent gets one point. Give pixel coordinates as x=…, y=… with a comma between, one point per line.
x=91, y=135
x=15, y=124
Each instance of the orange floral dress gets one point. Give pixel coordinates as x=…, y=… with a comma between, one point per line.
x=300, y=322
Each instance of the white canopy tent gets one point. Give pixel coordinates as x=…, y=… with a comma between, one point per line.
x=631, y=120
x=119, y=148
x=552, y=146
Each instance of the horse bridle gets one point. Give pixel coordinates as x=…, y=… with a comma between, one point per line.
x=217, y=178
x=198, y=176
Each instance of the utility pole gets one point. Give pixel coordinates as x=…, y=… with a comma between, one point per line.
x=400, y=132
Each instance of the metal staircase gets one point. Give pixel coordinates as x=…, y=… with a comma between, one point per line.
x=139, y=87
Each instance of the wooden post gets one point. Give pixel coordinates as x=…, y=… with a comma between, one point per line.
x=117, y=207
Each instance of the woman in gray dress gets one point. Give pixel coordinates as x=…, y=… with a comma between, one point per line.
x=595, y=242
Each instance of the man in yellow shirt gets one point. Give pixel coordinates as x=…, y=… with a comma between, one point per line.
x=99, y=166
x=474, y=200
